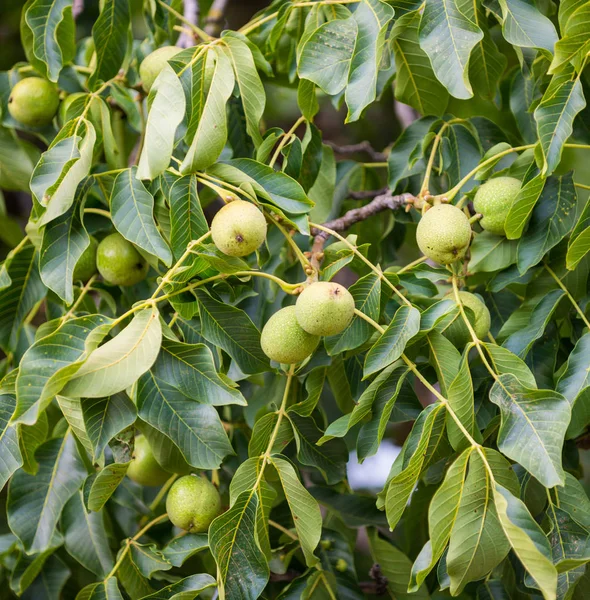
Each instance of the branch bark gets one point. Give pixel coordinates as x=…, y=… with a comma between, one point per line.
x=360, y=147
x=386, y=201
x=191, y=14
x=215, y=16
x=77, y=8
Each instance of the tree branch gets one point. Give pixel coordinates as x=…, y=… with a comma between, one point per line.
x=381, y=202
x=191, y=14
x=77, y=8
x=386, y=201
x=405, y=114
x=214, y=18
x=355, y=148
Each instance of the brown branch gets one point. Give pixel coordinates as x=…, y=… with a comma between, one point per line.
x=386, y=201
x=405, y=114
x=191, y=14
x=77, y=8
x=356, y=148
x=214, y=18
x=381, y=202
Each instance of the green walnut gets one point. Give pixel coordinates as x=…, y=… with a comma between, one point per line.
x=86, y=266
x=192, y=503
x=119, y=262
x=341, y=565
x=33, y=101
x=324, y=308
x=478, y=315
x=444, y=233
x=144, y=468
x=482, y=319
x=493, y=200
x=153, y=63
x=238, y=228
x=284, y=340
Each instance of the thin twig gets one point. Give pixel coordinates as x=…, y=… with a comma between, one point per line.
x=215, y=16
x=356, y=148
x=191, y=14
x=77, y=8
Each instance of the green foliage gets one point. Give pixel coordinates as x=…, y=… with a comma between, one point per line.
x=183, y=345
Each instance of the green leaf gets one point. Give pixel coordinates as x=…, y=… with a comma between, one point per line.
x=503, y=361
x=533, y=427
x=279, y=188
x=104, y=418
x=148, y=559
x=61, y=168
x=372, y=17
x=166, y=111
x=487, y=63
x=211, y=132
x=525, y=26
x=445, y=359
x=390, y=346
x=53, y=360
x=232, y=330
x=17, y=161
x=71, y=408
x=104, y=590
x=135, y=583
x=569, y=548
x=575, y=40
x=555, y=114
x=110, y=33
x=185, y=589
x=30, y=438
x=367, y=298
x=242, y=568
x=521, y=341
x=527, y=540
x=461, y=401
x=179, y=549
x=85, y=536
x=49, y=584
x=442, y=515
x=448, y=37
x=51, y=27
x=191, y=369
x=402, y=483
x=522, y=206
x=396, y=567
x=118, y=363
x=574, y=383
x=406, y=156
x=327, y=54
x=251, y=89
x=64, y=242
x=35, y=502
x=383, y=388
x=371, y=433
x=578, y=248
x=477, y=543
x=330, y=458
x=16, y=301
x=102, y=485
x=132, y=211
x=186, y=215
x=304, y=509
x=10, y=454
x=491, y=252
x=415, y=82
x=195, y=428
